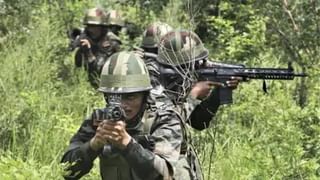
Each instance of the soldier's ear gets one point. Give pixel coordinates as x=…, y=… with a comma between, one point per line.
x=146, y=97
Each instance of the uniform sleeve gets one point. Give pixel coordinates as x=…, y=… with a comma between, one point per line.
x=158, y=163
x=154, y=71
x=200, y=113
x=83, y=55
x=79, y=156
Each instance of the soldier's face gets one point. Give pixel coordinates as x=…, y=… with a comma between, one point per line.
x=94, y=31
x=132, y=103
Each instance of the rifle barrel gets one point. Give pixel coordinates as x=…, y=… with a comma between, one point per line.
x=251, y=73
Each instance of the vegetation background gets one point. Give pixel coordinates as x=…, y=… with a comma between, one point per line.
x=261, y=136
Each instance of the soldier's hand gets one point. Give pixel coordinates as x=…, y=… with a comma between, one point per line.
x=116, y=134
x=105, y=44
x=234, y=82
x=99, y=140
x=139, y=53
x=202, y=89
x=85, y=43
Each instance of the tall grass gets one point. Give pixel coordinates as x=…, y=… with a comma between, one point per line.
x=44, y=100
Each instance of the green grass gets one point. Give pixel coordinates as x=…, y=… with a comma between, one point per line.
x=44, y=100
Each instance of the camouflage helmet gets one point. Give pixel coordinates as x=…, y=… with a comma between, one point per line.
x=181, y=47
x=95, y=16
x=153, y=33
x=124, y=72
x=115, y=18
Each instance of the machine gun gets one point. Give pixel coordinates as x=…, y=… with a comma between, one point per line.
x=220, y=72
x=75, y=36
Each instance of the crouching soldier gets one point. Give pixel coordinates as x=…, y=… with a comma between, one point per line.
x=134, y=136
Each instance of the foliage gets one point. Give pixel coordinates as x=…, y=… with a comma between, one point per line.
x=16, y=168
x=261, y=136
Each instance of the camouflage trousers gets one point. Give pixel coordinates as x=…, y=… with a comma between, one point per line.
x=188, y=168
x=182, y=169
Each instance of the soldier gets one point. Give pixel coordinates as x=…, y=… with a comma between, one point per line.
x=115, y=22
x=145, y=141
x=198, y=101
x=151, y=36
x=150, y=40
x=183, y=50
x=96, y=44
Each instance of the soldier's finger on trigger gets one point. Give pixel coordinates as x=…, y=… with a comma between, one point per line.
x=232, y=83
x=211, y=86
x=235, y=82
x=210, y=83
x=218, y=84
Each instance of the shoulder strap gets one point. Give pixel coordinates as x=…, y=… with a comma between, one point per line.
x=149, y=118
x=157, y=109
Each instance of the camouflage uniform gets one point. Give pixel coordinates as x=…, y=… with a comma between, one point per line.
x=156, y=137
x=115, y=21
x=102, y=48
x=151, y=36
x=149, y=45
x=182, y=50
x=117, y=24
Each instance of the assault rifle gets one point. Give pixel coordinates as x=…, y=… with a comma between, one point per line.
x=113, y=111
x=75, y=36
x=220, y=72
